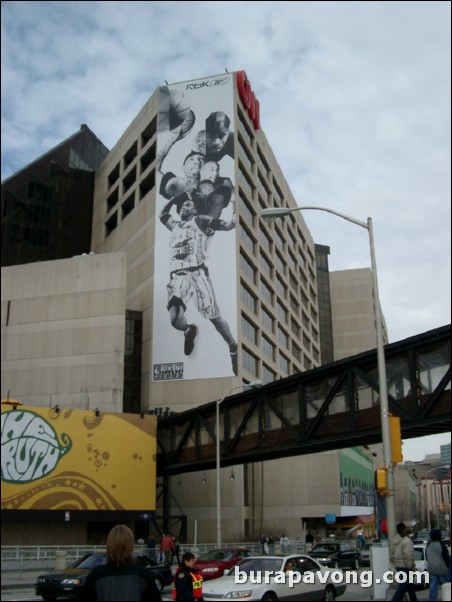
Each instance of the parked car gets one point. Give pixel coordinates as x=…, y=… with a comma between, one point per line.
x=69, y=582
x=336, y=554
x=421, y=563
x=271, y=589
x=213, y=564
x=421, y=537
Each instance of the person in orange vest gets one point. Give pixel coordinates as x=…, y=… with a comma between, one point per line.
x=187, y=585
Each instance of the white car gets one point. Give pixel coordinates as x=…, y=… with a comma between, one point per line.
x=421, y=562
x=254, y=584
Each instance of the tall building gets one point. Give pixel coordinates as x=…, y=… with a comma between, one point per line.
x=47, y=206
x=185, y=295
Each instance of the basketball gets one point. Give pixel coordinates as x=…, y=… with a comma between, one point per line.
x=174, y=110
x=179, y=107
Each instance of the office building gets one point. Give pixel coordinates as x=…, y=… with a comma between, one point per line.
x=110, y=329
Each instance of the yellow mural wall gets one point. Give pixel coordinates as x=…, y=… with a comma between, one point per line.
x=77, y=460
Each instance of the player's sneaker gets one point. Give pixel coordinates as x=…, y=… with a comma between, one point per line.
x=233, y=353
x=190, y=335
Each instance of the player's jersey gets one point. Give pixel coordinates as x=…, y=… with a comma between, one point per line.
x=188, y=245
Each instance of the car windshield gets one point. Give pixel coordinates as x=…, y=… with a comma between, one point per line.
x=418, y=554
x=89, y=562
x=260, y=564
x=217, y=555
x=325, y=547
x=422, y=535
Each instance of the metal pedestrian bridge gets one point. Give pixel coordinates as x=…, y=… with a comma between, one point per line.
x=330, y=407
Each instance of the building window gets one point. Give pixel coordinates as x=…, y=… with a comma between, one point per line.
x=249, y=330
x=250, y=362
x=267, y=293
x=113, y=176
x=268, y=348
x=130, y=179
x=246, y=238
x=132, y=362
x=248, y=269
x=247, y=213
x=283, y=364
x=148, y=132
x=267, y=375
x=112, y=199
x=283, y=338
x=111, y=224
x=267, y=319
x=281, y=311
x=130, y=155
x=265, y=265
x=128, y=205
x=248, y=299
x=147, y=158
x=147, y=184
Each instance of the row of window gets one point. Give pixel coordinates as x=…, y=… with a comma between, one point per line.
x=279, y=265
x=128, y=181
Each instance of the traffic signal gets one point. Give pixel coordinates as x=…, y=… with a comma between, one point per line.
x=380, y=480
x=396, y=439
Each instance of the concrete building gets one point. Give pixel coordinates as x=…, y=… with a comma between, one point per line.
x=95, y=330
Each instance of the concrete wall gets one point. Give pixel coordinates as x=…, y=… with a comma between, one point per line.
x=63, y=332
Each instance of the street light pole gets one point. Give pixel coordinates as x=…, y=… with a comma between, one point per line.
x=252, y=385
x=272, y=213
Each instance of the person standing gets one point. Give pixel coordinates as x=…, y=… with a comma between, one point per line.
x=187, y=585
x=262, y=543
x=309, y=541
x=285, y=543
x=151, y=546
x=402, y=557
x=360, y=541
x=121, y=578
x=438, y=563
x=271, y=545
x=176, y=550
x=167, y=547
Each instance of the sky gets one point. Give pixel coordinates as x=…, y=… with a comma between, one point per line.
x=354, y=101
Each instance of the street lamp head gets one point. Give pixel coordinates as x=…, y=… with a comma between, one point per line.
x=254, y=384
x=273, y=212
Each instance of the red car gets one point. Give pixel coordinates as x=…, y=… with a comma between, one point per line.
x=213, y=564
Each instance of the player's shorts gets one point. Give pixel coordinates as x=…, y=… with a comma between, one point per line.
x=193, y=284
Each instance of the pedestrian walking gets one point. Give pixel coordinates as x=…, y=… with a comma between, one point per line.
x=438, y=563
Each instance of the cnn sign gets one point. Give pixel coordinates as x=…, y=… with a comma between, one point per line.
x=248, y=98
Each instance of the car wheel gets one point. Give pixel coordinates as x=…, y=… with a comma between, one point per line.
x=269, y=597
x=329, y=595
x=356, y=564
x=159, y=584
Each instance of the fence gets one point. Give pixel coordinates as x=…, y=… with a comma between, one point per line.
x=15, y=558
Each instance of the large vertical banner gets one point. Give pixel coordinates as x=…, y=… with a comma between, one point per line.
x=195, y=306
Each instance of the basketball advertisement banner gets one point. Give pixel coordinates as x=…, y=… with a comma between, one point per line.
x=195, y=300
x=73, y=460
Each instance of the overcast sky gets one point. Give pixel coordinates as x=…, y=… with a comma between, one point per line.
x=354, y=97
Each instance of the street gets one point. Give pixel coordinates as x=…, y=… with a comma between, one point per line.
x=17, y=586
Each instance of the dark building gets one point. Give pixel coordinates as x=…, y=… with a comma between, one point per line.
x=47, y=206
